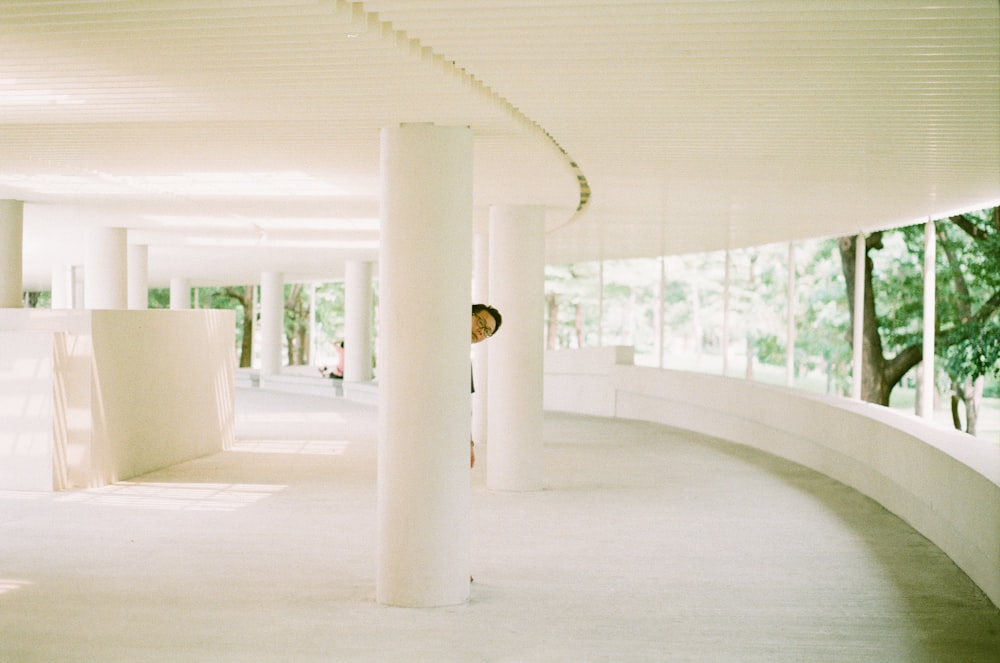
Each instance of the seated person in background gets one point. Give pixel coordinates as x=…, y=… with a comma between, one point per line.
x=337, y=372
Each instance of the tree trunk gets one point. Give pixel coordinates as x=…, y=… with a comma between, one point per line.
x=969, y=393
x=297, y=328
x=879, y=375
x=873, y=387
x=246, y=300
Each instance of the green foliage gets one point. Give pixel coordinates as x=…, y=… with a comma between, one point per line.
x=898, y=283
x=35, y=299
x=158, y=298
x=329, y=319
x=975, y=352
x=770, y=349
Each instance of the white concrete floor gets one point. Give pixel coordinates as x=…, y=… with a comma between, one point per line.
x=647, y=545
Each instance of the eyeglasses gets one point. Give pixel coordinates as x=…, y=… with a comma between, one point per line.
x=483, y=327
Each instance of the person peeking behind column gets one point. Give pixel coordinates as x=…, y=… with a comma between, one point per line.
x=486, y=321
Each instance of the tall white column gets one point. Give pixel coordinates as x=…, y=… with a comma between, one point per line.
x=11, y=253
x=313, y=326
x=926, y=404
x=600, y=303
x=425, y=264
x=480, y=351
x=180, y=293
x=725, y=312
x=790, y=319
x=358, y=321
x=658, y=314
x=517, y=290
x=138, y=276
x=62, y=286
x=77, y=282
x=858, y=333
x=272, y=318
x=106, y=283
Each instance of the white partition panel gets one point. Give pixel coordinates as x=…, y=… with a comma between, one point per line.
x=92, y=397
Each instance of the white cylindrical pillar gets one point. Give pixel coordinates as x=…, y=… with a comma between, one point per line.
x=659, y=314
x=11, y=253
x=425, y=264
x=62, y=287
x=138, y=276
x=790, y=319
x=726, y=283
x=272, y=318
x=77, y=280
x=858, y=331
x=358, y=321
x=517, y=290
x=180, y=293
x=926, y=404
x=480, y=351
x=106, y=265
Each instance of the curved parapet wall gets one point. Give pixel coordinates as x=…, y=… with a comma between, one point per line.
x=945, y=484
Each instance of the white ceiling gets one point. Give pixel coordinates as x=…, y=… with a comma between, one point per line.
x=240, y=136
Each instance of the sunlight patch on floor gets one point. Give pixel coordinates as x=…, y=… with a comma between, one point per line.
x=21, y=495
x=305, y=447
x=293, y=417
x=176, y=496
x=9, y=584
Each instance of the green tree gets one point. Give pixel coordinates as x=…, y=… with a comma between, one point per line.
x=297, y=319
x=823, y=319
x=572, y=288
x=968, y=297
x=241, y=300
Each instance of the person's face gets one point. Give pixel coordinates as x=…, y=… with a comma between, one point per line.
x=483, y=326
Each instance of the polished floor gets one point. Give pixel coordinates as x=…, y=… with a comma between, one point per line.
x=648, y=544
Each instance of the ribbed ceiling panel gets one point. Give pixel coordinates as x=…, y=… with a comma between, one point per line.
x=683, y=125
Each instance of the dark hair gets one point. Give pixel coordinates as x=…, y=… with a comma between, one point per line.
x=476, y=308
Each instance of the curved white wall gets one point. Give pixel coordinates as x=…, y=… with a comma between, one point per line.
x=944, y=483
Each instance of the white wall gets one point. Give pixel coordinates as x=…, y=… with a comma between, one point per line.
x=166, y=379
x=944, y=483
x=92, y=397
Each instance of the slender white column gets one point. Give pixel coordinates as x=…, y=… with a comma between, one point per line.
x=600, y=303
x=106, y=283
x=425, y=264
x=725, y=313
x=11, y=252
x=480, y=351
x=138, y=276
x=62, y=286
x=180, y=293
x=313, y=327
x=857, y=363
x=272, y=317
x=926, y=405
x=658, y=315
x=790, y=315
x=358, y=321
x=517, y=290
x=77, y=280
